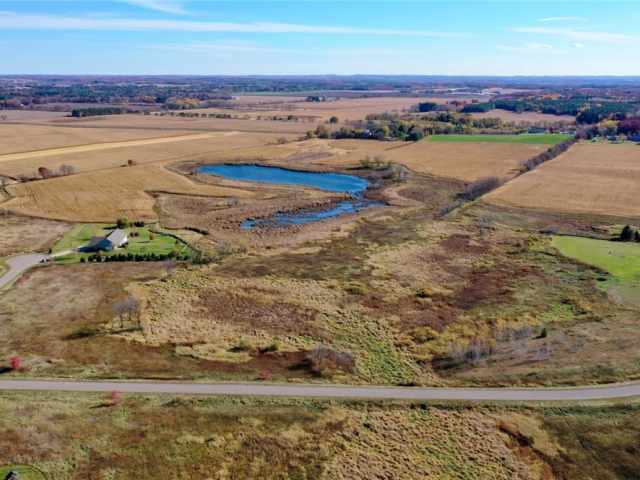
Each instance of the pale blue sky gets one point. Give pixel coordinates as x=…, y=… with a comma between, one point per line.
x=320, y=37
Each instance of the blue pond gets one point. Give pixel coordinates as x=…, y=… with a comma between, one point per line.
x=331, y=182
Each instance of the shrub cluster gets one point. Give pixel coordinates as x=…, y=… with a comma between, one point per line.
x=480, y=187
x=322, y=360
x=549, y=154
x=629, y=234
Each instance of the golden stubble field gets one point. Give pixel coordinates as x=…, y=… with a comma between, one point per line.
x=592, y=178
x=138, y=121
x=103, y=155
x=465, y=161
x=16, y=138
x=107, y=194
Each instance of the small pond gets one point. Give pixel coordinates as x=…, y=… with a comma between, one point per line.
x=331, y=182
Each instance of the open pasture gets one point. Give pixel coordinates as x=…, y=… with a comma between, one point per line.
x=589, y=178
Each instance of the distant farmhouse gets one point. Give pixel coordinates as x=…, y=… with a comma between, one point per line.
x=114, y=240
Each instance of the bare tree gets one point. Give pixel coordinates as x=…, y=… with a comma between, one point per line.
x=66, y=169
x=44, y=172
x=127, y=311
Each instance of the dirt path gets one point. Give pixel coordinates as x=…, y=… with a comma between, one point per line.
x=109, y=145
x=332, y=391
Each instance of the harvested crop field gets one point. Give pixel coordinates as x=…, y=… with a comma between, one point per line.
x=135, y=121
x=107, y=194
x=106, y=146
x=524, y=117
x=590, y=178
x=32, y=138
x=209, y=146
x=22, y=234
x=466, y=161
x=351, y=108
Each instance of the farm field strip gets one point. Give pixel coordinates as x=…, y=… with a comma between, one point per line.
x=109, y=145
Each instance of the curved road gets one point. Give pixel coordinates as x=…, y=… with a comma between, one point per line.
x=330, y=391
x=19, y=264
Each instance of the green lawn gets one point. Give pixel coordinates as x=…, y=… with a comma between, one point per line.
x=536, y=139
x=145, y=242
x=621, y=259
x=25, y=472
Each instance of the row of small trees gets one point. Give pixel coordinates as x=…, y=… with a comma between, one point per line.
x=134, y=257
x=45, y=172
x=549, y=154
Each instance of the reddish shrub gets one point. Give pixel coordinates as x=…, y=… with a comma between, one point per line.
x=16, y=363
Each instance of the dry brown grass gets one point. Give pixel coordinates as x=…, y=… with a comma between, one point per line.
x=589, y=178
x=145, y=437
x=21, y=234
x=107, y=194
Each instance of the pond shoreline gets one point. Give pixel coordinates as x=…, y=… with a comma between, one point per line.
x=354, y=193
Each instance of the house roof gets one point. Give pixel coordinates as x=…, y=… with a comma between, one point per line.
x=95, y=241
x=117, y=237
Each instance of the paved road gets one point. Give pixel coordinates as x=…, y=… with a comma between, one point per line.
x=17, y=265
x=330, y=391
x=21, y=263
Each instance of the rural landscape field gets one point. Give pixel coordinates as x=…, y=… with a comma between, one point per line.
x=224, y=271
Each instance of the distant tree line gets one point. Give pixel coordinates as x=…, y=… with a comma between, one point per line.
x=586, y=111
x=97, y=111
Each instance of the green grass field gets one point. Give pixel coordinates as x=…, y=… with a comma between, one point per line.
x=531, y=139
x=145, y=242
x=621, y=259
